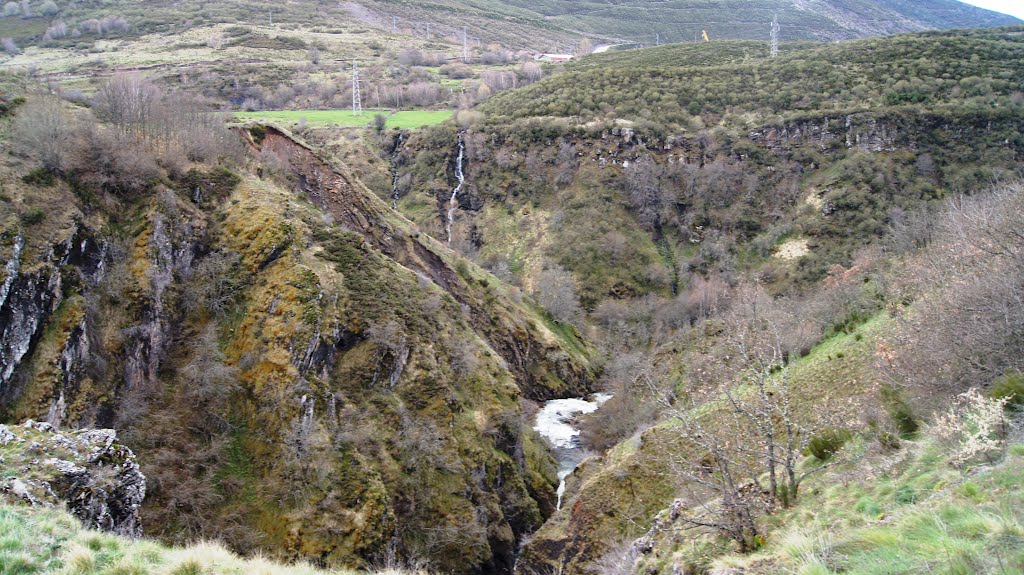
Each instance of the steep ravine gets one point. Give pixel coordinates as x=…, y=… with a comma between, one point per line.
x=313, y=376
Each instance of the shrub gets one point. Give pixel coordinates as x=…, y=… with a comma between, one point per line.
x=39, y=177
x=974, y=428
x=212, y=186
x=1009, y=387
x=456, y=71
x=900, y=412
x=32, y=216
x=826, y=443
x=905, y=495
x=10, y=47
x=8, y=104
x=258, y=132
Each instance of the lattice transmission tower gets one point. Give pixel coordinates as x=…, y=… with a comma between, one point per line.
x=775, y=36
x=357, y=100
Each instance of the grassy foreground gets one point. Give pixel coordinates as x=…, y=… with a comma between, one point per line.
x=408, y=119
x=879, y=520
x=38, y=540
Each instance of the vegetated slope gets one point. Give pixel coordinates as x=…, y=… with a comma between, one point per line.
x=920, y=341
x=685, y=20
x=296, y=366
x=550, y=26
x=605, y=173
x=901, y=512
x=38, y=540
x=672, y=84
x=118, y=19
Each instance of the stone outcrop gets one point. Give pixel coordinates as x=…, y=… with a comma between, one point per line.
x=87, y=471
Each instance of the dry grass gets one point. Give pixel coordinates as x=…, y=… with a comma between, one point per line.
x=35, y=540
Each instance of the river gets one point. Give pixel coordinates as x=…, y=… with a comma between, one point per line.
x=556, y=422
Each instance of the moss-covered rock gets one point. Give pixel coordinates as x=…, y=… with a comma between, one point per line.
x=87, y=471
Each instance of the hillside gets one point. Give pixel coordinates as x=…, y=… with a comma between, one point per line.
x=647, y=175
x=676, y=84
x=554, y=25
x=646, y=22
x=295, y=364
x=782, y=295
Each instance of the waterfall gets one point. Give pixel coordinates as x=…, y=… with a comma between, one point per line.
x=453, y=203
x=555, y=423
x=394, y=171
x=11, y=269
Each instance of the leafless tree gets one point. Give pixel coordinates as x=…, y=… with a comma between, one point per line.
x=531, y=71
x=55, y=31
x=644, y=191
x=556, y=291
x=130, y=103
x=140, y=110
x=214, y=284
x=742, y=430
x=42, y=125
x=9, y=46
x=967, y=327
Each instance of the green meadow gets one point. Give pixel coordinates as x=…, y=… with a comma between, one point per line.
x=406, y=119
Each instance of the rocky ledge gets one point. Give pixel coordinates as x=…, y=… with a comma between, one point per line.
x=87, y=471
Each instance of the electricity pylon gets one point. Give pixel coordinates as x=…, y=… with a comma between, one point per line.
x=357, y=101
x=775, y=36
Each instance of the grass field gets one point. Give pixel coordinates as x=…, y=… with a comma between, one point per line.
x=409, y=119
x=42, y=540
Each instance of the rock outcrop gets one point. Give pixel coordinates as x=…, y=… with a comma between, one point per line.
x=87, y=471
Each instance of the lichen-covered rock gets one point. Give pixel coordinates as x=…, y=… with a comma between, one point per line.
x=88, y=471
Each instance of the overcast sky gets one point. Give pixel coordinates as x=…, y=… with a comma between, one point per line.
x=1014, y=7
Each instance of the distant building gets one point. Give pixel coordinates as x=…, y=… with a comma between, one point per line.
x=553, y=57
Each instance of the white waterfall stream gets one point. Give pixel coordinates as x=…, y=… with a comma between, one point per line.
x=394, y=172
x=453, y=202
x=555, y=422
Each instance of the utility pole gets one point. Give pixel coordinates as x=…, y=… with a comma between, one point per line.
x=357, y=100
x=271, y=15
x=394, y=24
x=775, y=36
x=465, y=46
x=657, y=38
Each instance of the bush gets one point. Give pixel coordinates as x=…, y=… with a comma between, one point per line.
x=906, y=495
x=456, y=71
x=39, y=177
x=825, y=444
x=900, y=412
x=1009, y=386
x=258, y=132
x=32, y=216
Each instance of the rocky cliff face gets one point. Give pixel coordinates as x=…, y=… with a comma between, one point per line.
x=89, y=472
x=295, y=364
